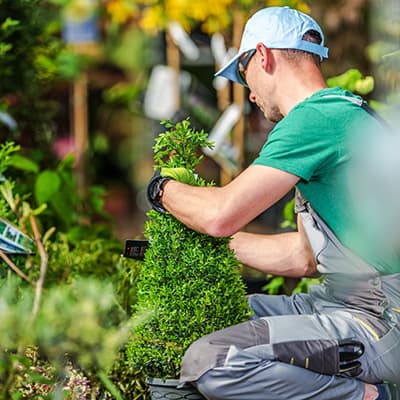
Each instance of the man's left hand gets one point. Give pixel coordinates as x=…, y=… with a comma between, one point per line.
x=156, y=184
x=180, y=174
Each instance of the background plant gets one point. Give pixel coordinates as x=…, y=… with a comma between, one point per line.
x=29, y=50
x=72, y=328
x=58, y=337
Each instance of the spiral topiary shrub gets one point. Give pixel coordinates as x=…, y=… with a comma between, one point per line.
x=190, y=283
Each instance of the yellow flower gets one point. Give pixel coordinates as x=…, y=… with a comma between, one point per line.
x=121, y=10
x=153, y=19
x=212, y=15
x=300, y=5
x=176, y=10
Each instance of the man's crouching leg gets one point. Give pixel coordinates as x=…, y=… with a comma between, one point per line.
x=215, y=349
x=239, y=362
x=241, y=374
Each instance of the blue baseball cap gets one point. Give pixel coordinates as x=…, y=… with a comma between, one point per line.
x=277, y=28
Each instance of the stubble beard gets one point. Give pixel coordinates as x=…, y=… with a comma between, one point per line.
x=273, y=114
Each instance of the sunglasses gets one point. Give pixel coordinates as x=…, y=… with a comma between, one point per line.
x=243, y=62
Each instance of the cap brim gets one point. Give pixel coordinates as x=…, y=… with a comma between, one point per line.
x=230, y=70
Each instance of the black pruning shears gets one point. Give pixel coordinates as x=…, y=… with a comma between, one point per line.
x=135, y=249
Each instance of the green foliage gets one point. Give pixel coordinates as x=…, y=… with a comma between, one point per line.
x=125, y=278
x=47, y=185
x=69, y=259
x=12, y=206
x=275, y=285
x=289, y=216
x=383, y=51
x=24, y=164
x=16, y=307
x=121, y=94
x=6, y=153
x=279, y=285
x=57, y=189
x=87, y=294
x=190, y=283
x=179, y=145
x=69, y=64
x=29, y=46
x=304, y=285
x=52, y=190
x=73, y=320
x=97, y=257
x=128, y=380
x=354, y=81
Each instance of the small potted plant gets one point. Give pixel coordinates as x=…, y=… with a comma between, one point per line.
x=190, y=283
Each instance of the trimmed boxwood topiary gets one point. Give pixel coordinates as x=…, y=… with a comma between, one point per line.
x=190, y=283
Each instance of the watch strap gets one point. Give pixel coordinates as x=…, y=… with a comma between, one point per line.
x=155, y=191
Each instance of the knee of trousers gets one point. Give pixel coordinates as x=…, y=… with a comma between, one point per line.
x=256, y=303
x=201, y=356
x=251, y=337
x=211, y=350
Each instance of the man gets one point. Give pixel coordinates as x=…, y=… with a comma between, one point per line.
x=341, y=341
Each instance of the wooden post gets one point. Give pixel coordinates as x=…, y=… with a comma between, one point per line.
x=80, y=129
x=239, y=91
x=223, y=95
x=174, y=61
x=223, y=101
x=80, y=31
x=238, y=98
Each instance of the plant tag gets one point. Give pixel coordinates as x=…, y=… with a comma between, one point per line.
x=13, y=241
x=135, y=249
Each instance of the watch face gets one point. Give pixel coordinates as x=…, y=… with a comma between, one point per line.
x=13, y=241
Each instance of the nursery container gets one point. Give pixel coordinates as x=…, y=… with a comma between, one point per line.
x=169, y=389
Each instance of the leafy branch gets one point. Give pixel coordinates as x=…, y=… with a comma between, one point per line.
x=178, y=146
x=7, y=260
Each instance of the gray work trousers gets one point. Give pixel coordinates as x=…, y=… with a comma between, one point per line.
x=281, y=352
x=246, y=367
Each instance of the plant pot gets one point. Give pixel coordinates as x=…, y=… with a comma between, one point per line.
x=168, y=389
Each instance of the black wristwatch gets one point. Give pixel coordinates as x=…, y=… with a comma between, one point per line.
x=155, y=191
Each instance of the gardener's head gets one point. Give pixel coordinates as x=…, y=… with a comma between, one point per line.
x=276, y=28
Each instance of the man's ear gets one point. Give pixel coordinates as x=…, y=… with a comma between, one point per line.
x=266, y=57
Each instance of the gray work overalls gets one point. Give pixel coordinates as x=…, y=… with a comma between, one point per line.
x=288, y=350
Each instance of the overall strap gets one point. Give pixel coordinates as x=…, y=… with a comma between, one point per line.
x=348, y=279
x=365, y=106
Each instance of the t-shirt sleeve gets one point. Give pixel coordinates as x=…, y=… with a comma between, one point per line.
x=298, y=145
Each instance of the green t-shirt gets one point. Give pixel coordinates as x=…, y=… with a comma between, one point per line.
x=312, y=142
